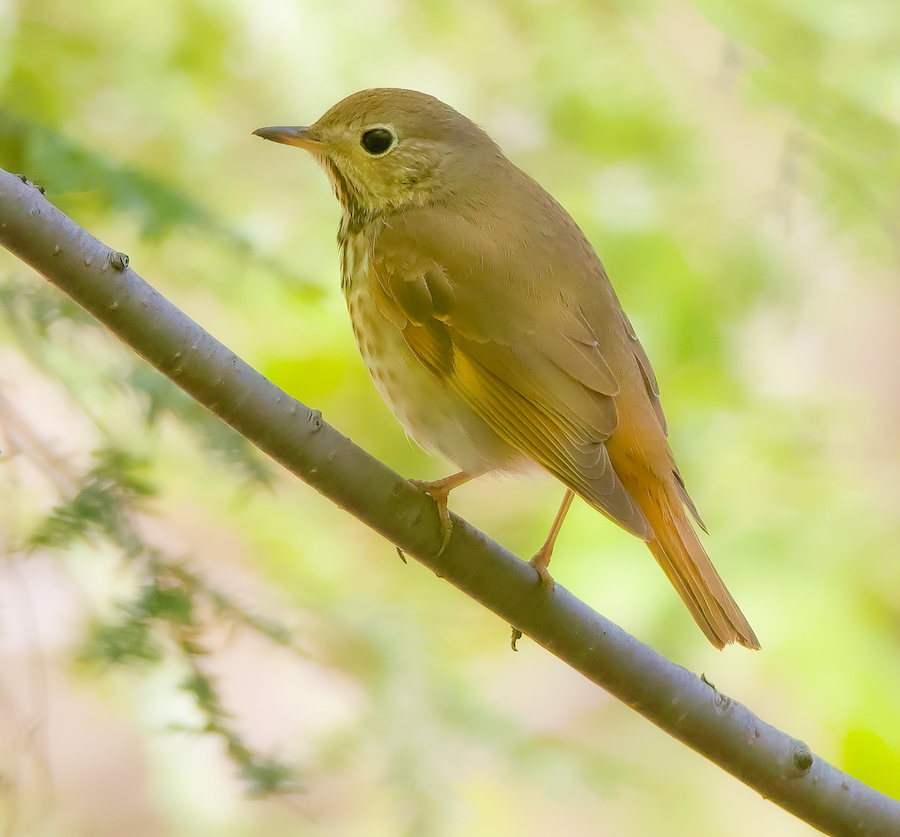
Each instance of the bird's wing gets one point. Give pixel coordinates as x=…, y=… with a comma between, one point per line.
x=525, y=360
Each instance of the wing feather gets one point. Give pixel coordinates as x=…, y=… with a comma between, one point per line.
x=535, y=373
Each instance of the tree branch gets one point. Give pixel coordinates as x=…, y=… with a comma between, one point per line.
x=781, y=768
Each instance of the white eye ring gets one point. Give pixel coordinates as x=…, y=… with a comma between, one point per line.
x=378, y=140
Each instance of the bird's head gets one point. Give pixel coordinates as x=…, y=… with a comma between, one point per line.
x=389, y=149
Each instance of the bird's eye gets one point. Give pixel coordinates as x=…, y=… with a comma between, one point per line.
x=377, y=140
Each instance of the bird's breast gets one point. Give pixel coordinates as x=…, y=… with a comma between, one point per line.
x=428, y=406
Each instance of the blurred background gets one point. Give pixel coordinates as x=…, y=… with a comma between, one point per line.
x=194, y=643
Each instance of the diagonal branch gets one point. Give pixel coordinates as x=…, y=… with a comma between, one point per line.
x=781, y=768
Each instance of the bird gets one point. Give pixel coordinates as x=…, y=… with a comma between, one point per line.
x=491, y=329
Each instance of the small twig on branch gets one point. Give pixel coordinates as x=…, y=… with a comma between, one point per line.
x=781, y=768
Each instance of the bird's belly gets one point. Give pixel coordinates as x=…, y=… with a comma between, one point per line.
x=430, y=410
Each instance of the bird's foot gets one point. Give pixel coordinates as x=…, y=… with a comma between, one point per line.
x=540, y=562
x=439, y=491
x=545, y=580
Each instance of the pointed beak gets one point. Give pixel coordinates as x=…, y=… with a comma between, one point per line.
x=291, y=135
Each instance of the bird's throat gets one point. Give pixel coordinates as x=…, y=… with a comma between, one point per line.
x=354, y=216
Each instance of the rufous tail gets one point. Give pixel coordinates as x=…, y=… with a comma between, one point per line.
x=682, y=557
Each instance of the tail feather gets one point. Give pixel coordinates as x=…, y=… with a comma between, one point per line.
x=683, y=559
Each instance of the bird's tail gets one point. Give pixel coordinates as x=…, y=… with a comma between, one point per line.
x=683, y=559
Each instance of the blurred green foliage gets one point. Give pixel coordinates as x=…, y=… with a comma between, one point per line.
x=735, y=164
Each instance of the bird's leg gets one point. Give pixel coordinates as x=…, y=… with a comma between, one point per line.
x=542, y=558
x=439, y=491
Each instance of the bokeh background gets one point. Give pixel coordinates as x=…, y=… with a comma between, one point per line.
x=194, y=643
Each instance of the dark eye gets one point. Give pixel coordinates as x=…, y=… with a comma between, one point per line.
x=377, y=140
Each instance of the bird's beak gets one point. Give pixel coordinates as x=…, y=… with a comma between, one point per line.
x=289, y=135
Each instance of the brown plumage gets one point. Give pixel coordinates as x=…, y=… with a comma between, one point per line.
x=491, y=329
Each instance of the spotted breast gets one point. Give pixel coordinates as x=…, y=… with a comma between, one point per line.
x=431, y=413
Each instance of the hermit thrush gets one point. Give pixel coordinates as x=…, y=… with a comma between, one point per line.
x=492, y=331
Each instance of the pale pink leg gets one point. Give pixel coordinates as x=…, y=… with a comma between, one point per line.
x=439, y=491
x=542, y=558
